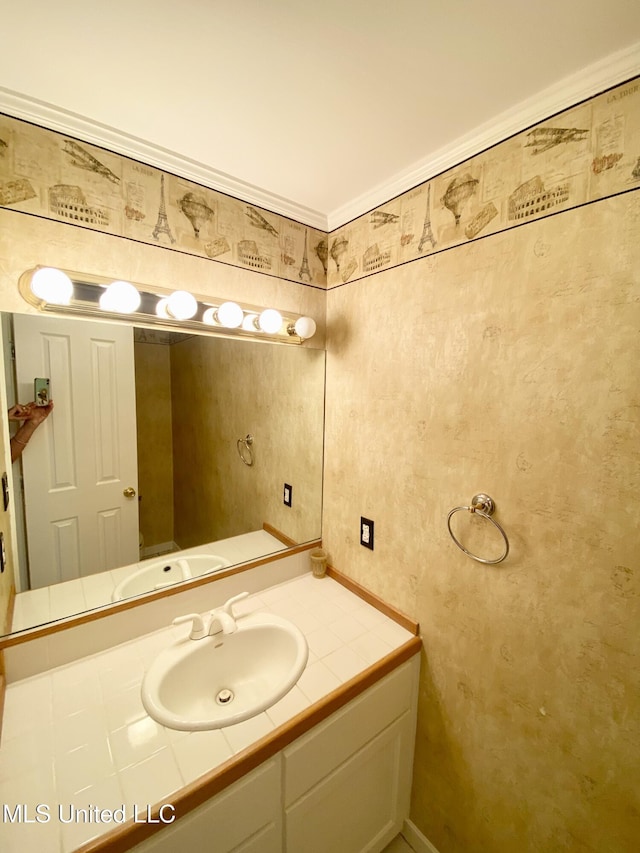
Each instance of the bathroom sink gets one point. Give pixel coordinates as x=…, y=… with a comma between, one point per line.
x=224, y=679
x=156, y=574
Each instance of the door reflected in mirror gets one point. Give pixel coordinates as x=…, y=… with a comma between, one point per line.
x=138, y=478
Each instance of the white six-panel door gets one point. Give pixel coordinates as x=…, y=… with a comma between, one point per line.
x=81, y=460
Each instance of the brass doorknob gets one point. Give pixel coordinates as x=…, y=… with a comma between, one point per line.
x=129, y=492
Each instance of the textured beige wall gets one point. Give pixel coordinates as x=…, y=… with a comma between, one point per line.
x=508, y=366
x=223, y=391
x=155, y=444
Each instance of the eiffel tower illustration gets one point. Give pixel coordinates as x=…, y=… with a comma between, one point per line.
x=162, y=225
x=427, y=233
x=305, y=272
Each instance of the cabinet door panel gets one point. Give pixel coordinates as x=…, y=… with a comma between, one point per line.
x=360, y=806
x=268, y=840
x=239, y=816
x=317, y=753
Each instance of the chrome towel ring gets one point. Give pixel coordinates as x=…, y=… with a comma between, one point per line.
x=244, y=450
x=480, y=505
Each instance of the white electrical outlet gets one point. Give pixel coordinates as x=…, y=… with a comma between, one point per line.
x=366, y=532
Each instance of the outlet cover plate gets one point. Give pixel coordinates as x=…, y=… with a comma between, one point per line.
x=366, y=532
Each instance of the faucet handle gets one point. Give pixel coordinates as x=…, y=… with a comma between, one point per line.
x=228, y=605
x=198, y=627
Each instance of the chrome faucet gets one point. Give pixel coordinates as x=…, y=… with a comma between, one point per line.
x=220, y=620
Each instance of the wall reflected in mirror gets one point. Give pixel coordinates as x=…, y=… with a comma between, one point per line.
x=139, y=479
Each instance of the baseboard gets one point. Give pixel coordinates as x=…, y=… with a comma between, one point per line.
x=416, y=839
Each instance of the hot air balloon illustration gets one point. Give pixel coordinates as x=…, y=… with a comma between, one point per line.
x=322, y=251
x=338, y=248
x=458, y=191
x=196, y=209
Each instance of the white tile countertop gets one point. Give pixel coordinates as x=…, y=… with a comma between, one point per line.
x=78, y=737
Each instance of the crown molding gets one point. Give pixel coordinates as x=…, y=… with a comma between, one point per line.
x=610, y=71
x=77, y=126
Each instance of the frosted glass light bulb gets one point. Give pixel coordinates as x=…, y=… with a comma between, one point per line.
x=249, y=324
x=270, y=320
x=230, y=315
x=182, y=305
x=305, y=327
x=120, y=297
x=52, y=286
x=161, y=309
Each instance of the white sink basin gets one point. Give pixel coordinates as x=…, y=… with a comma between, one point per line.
x=224, y=679
x=156, y=574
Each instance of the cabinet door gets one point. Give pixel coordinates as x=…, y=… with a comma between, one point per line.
x=316, y=754
x=245, y=818
x=360, y=806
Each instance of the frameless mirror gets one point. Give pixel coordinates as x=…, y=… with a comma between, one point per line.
x=166, y=456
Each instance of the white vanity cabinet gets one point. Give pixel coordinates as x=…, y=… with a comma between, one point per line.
x=344, y=786
x=347, y=782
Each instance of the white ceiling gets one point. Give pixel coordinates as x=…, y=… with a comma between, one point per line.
x=317, y=110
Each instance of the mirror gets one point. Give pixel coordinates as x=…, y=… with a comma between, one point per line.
x=221, y=432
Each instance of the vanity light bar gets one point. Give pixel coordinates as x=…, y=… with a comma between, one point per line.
x=65, y=292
